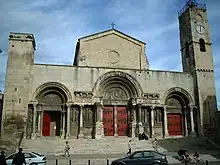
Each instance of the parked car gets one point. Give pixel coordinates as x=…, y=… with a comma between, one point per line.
x=31, y=158
x=147, y=157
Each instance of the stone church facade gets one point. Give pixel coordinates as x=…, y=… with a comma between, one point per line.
x=110, y=89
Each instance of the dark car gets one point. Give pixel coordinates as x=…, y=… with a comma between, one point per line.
x=147, y=157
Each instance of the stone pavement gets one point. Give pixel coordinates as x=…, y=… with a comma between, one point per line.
x=99, y=150
x=101, y=159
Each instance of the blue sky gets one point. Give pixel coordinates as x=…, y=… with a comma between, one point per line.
x=57, y=24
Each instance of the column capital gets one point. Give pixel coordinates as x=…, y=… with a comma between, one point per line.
x=98, y=103
x=152, y=107
x=69, y=104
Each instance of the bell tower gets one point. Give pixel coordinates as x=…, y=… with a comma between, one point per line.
x=197, y=58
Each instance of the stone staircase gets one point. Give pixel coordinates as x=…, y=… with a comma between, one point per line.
x=108, y=145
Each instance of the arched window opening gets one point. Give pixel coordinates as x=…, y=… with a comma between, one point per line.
x=202, y=45
x=187, y=49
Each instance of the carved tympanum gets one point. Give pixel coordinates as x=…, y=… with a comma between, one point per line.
x=116, y=94
x=51, y=99
x=174, y=102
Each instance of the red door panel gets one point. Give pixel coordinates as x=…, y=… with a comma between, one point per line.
x=108, y=121
x=122, y=121
x=46, y=125
x=174, y=124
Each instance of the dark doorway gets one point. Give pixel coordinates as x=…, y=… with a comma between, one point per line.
x=51, y=123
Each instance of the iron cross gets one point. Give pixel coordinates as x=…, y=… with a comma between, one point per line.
x=113, y=25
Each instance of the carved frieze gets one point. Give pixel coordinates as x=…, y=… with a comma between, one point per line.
x=83, y=97
x=151, y=98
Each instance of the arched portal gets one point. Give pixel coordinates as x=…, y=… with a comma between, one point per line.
x=52, y=99
x=117, y=89
x=178, y=113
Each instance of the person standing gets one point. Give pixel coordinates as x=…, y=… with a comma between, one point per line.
x=155, y=145
x=66, y=149
x=19, y=158
x=129, y=148
x=2, y=158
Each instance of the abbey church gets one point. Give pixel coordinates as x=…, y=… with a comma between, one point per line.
x=110, y=89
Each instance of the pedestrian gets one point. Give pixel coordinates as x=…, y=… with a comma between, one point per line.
x=19, y=158
x=66, y=149
x=155, y=145
x=2, y=158
x=129, y=148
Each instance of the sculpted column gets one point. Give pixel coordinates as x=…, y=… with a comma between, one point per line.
x=185, y=120
x=165, y=121
x=140, y=125
x=33, y=135
x=63, y=125
x=39, y=121
x=115, y=120
x=81, y=135
x=133, y=121
x=192, y=120
x=152, y=122
x=68, y=120
x=99, y=122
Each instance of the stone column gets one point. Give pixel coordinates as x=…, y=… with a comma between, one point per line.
x=81, y=135
x=165, y=121
x=115, y=121
x=63, y=125
x=192, y=120
x=185, y=120
x=39, y=122
x=133, y=121
x=99, y=122
x=68, y=120
x=140, y=125
x=152, y=122
x=33, y=135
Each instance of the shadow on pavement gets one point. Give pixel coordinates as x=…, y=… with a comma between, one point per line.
x=192, y=144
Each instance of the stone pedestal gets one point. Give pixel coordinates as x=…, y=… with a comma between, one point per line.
x=99, y=130
x=132, y=128
x=63, y=134
x=80, y=135
x=33, y=135
x=140, y=128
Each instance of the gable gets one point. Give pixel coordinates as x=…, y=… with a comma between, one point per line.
x=112, y=31
x=111, y=49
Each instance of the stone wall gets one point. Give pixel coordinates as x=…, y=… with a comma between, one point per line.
x=84, y=78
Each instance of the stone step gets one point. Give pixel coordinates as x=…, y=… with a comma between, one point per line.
x=82, y=146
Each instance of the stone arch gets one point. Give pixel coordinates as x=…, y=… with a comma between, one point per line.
x=117, y=79
x=56, y=87
x=180, y=93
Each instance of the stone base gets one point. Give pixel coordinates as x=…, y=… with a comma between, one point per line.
x=33, y=135
x=140, y=128
x=99, y=130
x=80, y=135
x=132, y=129
x=63, y=135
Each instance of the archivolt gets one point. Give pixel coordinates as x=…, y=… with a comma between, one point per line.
x=52, y=85
x=113, y=78
x=178, y=92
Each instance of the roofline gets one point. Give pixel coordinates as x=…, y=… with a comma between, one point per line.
x=109, y=31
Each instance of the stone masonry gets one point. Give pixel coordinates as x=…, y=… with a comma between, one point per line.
x=110, y=89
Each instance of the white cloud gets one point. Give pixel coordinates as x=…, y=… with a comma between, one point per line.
x=58, y=24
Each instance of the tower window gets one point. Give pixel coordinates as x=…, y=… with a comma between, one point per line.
x=202, y=45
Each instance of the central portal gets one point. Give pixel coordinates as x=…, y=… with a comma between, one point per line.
x=115, y=120
x=51, y=123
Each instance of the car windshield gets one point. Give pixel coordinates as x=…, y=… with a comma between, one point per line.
x=37, y=154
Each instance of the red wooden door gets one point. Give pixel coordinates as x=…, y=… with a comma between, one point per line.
x=122, y=121
x=174, y=124
x=108, y=121
x=46, y=125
